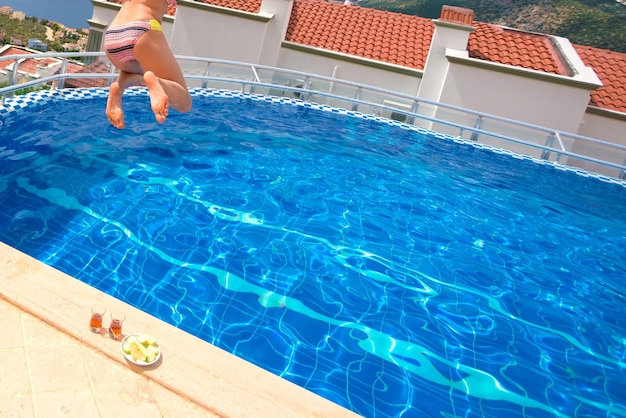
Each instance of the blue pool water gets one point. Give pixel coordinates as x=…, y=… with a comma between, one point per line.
x=393, y=271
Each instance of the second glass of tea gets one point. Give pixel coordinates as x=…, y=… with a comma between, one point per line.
x=115, y=329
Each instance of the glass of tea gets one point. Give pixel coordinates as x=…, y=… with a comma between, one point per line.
x=115, y=329
x=97, y=313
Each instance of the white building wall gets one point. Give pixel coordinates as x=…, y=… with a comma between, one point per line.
x=606, y=126
x=214, y=32
x=516, y=95
x=347, y=68
x=344, y=67
x=104, y=12
x=522, y=95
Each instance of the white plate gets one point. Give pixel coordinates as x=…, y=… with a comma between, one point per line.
x=138, y=362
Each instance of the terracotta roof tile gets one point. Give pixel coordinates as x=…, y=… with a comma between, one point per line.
x=522, y=49
x=29, y=65
x=354, y=30
x=610, y=67
x=95, y=67
x=252, y=6
x=10, y=51
x=171, y=9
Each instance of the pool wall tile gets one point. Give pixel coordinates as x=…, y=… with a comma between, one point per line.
x=39, y=98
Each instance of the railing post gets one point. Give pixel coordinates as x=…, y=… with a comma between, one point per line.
x=549, y=141
x=206, y=75
x=623, y=173
x=61, y=81
x=16, y=68
x=307, y=83
x=255, y=78
x=478, y=124
x=411, y=119
x=357, y=96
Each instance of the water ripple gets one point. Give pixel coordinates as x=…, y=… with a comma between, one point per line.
x=395, y=273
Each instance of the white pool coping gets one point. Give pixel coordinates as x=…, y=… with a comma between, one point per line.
x=212, y=378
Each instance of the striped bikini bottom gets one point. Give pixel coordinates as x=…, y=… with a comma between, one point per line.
x=119, y=41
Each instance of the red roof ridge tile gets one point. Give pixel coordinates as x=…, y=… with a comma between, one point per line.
x=457, y=15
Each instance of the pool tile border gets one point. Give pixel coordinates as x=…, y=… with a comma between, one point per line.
x=45, y=96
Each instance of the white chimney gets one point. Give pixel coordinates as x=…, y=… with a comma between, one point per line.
x=279, y=13
x=452, y=31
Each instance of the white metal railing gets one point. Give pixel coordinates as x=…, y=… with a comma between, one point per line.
x=604, y=157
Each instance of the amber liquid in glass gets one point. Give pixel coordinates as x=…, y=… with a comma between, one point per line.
x=116, y=329
x=95, y=324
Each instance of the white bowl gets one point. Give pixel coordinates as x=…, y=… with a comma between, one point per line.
x=138, y=362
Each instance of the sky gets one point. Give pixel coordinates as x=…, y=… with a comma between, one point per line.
x=71, y=13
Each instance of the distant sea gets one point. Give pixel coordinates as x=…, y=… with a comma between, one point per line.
x=71, y=13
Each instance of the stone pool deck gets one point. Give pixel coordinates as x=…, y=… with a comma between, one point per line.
x=52, y=365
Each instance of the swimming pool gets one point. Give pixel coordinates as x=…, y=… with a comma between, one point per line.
x=396, y=272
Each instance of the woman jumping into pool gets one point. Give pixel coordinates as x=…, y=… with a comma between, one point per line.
x=136, y=45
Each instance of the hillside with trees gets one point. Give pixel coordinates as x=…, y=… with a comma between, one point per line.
x=598, y=23
x=34, y=28
x=29, y=28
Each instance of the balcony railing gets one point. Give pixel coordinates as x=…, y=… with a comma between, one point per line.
x=591, y=154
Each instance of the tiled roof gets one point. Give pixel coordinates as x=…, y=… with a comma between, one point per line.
x=252, y=6
x=521, y=49
x=28, y=66
x=375, y=34
x=98, y=67
x=10, y=51
x=405, y=40
x=610, y=67
x=171, y=8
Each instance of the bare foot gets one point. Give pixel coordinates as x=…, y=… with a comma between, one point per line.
x=114, y=106
x=158, y=98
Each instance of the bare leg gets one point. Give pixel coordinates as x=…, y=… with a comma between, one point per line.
x=156, y=59
x=114, y=106
x=114, y=111
x=158, y=98
x=155, y=67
